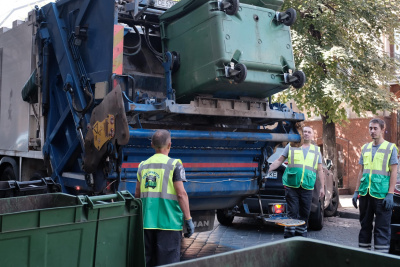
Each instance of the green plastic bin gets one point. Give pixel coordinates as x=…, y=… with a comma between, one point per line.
x=298, y=252
x=57, y=230
x=207, y=40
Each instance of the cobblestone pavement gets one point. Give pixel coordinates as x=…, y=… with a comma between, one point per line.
x=246, y=232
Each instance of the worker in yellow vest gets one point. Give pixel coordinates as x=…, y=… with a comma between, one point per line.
x=375, y=188
x=299, y=179
x=165, y=203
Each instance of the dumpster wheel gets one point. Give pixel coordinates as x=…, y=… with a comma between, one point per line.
x=231, y=7
x=301, y=79
x=241, y=76
x=288, y=17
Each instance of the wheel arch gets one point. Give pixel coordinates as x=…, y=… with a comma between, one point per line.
x=7, y=161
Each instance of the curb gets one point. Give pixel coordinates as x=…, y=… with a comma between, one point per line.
x=348, y=215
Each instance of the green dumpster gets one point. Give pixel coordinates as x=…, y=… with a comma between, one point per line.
x=226, y=56
x=64, y=230
x=299, y=252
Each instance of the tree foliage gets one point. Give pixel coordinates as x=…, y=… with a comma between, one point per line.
x=338, y=44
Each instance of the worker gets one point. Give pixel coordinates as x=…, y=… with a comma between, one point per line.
x=165, y=202
x=375, y=188
x=299, y=179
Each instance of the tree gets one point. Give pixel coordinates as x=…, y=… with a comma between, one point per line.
x=338, y=44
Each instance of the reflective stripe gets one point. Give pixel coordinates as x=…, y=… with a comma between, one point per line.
x=381, y=246
x=159, y=195
x=387, y=151
x=153, y=166
x=309, y=168
x=301, y=228
x=291, y=163
x=365, y=246
x=315, y=158
x=381, y=172
x=290, y=229
x=300, y=166
x=168, y=167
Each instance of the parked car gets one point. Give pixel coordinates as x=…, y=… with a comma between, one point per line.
x=272, y=194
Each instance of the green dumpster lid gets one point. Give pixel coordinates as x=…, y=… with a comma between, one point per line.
x=180, y=9
x=271, y=4
x=184, y=7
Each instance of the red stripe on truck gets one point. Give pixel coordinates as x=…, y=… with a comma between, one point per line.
x=202, y=165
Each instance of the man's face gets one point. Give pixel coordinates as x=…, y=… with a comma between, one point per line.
x=375, y=131
x=308, y=134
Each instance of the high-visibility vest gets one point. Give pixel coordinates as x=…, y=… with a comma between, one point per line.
x=161, y=208
x=301, y=172
x=376, y=174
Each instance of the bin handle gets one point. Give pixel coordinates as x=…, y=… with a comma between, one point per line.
x=120, y=201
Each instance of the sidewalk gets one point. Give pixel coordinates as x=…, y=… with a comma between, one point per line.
x=346, y=208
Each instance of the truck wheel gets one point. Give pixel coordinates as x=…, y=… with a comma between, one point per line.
x=301, y=79
x=290, y=17
x=316, y=220
x=243, y=73
x=38, y=175
x=233, y=8
x=225, y=217
x=8, y=174
x=332, y=208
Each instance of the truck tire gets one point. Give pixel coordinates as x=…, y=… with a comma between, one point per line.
x=333, y=206
x=8, y=174
x=316, y=220
x=224, y=217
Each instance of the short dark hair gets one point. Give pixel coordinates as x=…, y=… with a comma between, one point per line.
x=161, y=138
x=378, y=121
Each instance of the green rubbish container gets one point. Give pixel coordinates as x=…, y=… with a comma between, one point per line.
x=60, y=230
x=226, y=56
x=299, y=252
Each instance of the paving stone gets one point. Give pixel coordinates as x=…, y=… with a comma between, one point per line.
x=247, y=232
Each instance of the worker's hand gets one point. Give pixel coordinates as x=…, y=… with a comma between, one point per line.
x=355, y=197
x=189, y=227
x=388, y=201
x=321, y=193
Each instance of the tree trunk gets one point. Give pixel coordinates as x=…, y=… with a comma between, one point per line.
x=329, y=144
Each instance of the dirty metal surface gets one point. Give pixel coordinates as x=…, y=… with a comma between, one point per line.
x=113, y=105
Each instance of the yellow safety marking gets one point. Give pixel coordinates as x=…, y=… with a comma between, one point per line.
x=103, y=131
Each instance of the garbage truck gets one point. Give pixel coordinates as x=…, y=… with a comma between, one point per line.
x=85, y=84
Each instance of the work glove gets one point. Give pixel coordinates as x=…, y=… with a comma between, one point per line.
x=388, y=201
x=189, y=228
x=355, y=197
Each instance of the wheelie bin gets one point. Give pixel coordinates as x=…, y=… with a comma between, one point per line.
x=297, y=251
x=66, y=231
x=229, y=49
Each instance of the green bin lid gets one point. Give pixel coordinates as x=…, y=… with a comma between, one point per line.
x=180, y=9
x=271, y=4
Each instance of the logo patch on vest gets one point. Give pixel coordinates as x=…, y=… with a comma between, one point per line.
x=151, y=179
